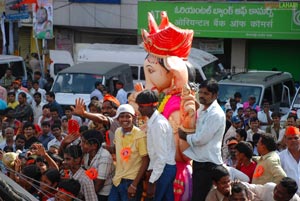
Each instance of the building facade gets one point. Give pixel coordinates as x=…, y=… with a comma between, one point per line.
x=243, y=34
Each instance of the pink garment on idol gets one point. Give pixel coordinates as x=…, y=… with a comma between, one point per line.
x=183, y=181
x=172, y=105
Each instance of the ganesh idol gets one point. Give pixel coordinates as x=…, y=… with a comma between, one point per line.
x=168, y=72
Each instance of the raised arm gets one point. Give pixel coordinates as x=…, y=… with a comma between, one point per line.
x=79, y=109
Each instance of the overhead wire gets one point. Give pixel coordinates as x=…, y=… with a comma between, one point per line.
x=62, y=6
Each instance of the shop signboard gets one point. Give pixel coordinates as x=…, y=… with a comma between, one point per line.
x=251, y=20
x=16, y=11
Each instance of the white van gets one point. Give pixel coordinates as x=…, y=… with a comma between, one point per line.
x=206, y=64
x=17, y=65
x=78, y=81
x=59, y=60
x=274, y=86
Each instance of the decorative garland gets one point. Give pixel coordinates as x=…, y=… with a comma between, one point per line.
x=163, y=103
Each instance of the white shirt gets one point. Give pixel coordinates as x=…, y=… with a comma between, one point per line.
x=32, y=91
x=290, y=166
x=235, y=174
x=238, y=105
x=97, y=93
x=265, y=192
x=250, y=134
x=160, y=145
x=37, y=111
x=281, y=135
x=28, y=96
x=273, y=132
x=3, y=144
x=231, y=132
x=74, y=117
x=122, y=96
x=205, y=143
x=54, y=142
x=262, y=117
x=103, y=162
x=40, y=120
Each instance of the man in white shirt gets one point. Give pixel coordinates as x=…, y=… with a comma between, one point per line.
x=37, y=107
x=276, y=127
x=121, y=94
x=46, y=115
x=36, y=88
x=254, y=128
x=205, y=143
x=161, y=148
x=17, y=89
x=56, y=131
x=235, y=124
x=264, y=116
x=97, y=91
x=290, y=121
x=290, y=157
x=237, y=98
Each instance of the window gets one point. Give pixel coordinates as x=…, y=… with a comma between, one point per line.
x=135, y=72
x=76, y=83
x=268, y=95
x=59, y=67
x=278, y=90
x=227, y=91
x=3, y=68
x=17, y=68
x=291, y=86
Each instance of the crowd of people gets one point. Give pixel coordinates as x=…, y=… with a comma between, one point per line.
x=238, y=152
x=171, y=147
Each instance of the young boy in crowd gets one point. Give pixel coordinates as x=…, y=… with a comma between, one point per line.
x=131, y=157
x=73, y=160
x=222, y=185
x=98, y=158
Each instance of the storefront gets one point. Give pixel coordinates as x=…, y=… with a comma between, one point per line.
x=282, y=55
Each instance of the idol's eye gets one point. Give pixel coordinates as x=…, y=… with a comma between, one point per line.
x=150, y=70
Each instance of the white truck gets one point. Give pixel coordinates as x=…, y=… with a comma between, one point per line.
x=206, y=64
x=59, y=60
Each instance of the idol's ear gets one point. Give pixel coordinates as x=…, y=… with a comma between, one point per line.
x=179, y=69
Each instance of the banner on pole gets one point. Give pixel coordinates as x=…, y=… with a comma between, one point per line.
x=43, y=19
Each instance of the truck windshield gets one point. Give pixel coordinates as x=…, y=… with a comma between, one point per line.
x=214, y=70
x=75, y=83
x=227, y=91
x=59, y=67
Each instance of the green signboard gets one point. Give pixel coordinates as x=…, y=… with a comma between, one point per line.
x=268, y=20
